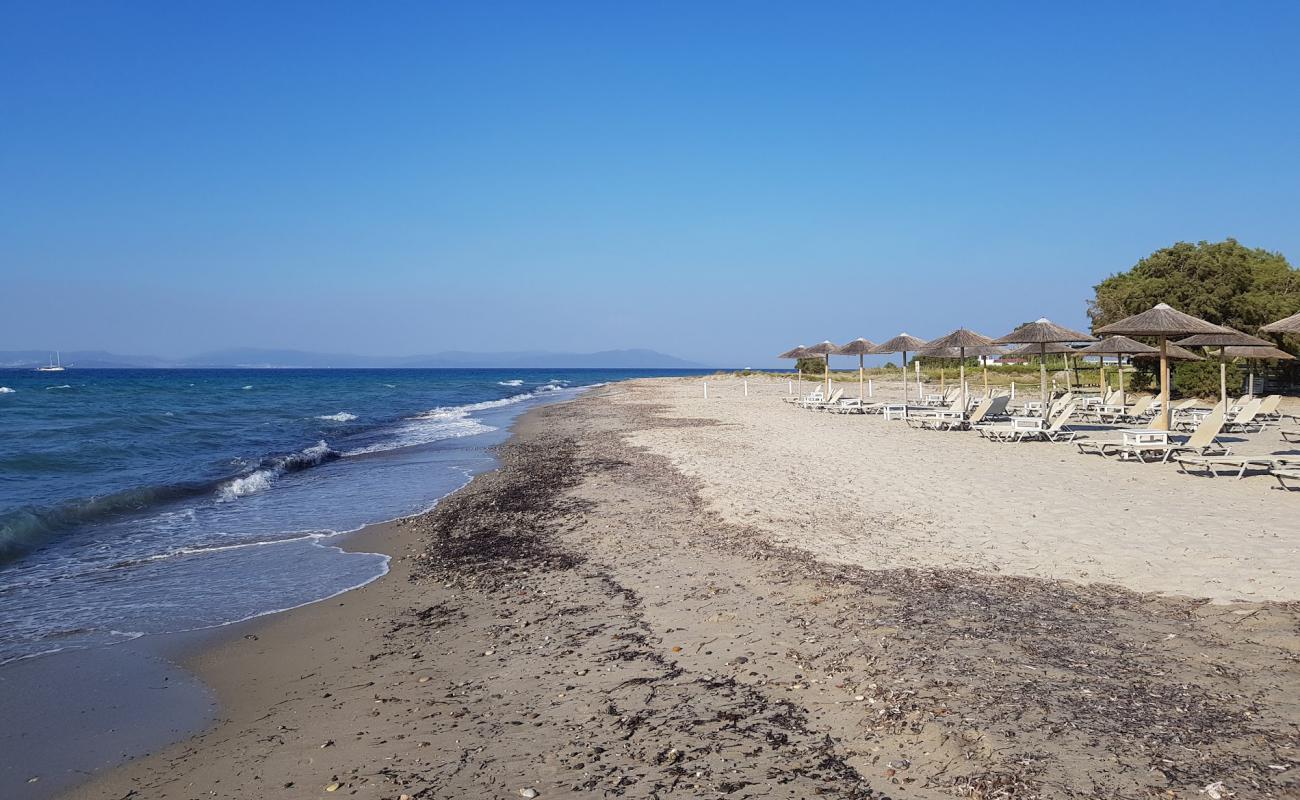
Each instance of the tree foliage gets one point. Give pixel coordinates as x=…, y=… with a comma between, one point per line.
x=814, y=365
x=1201, y=379
x=1223, y=282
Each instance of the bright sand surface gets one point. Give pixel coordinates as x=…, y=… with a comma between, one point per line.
x=861, y=490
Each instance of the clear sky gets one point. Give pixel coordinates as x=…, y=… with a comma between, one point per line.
x=719, y=181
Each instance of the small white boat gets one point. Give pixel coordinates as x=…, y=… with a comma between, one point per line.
x=55, y=365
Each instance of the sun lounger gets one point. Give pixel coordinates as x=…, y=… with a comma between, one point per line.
x=1291, y=435
x=1244, y=421
x=1140, y=411
x=1269, y=408
x=1203, y=442
x=1208, y=464
x=1018, y=429
x=828, y=402
x=1286, y=473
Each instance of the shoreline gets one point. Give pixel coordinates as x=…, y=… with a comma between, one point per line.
x=582, y=621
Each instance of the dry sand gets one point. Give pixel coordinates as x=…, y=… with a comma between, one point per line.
x=878, y=494
x=597, y=620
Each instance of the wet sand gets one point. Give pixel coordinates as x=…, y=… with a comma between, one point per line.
x=598, y=619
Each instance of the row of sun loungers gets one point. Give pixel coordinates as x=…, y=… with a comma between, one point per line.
x=1202, y=452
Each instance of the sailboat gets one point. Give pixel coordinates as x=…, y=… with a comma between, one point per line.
x=55, y=365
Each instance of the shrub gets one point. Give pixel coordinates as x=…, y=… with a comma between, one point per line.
x=1201, y=379
x=812, y=366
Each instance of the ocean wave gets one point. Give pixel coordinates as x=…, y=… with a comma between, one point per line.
x=271, y=468
x=26, y=529
x=515, y=382
x=63, y=386
x=342, y=416
x=443, y=422
x=246, y=388
x=6, y=390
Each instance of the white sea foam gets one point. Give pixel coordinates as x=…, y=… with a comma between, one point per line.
x=246, y=388
x=342, y=416
x=270, y=469
x=6, y=390
x=246, y=485
x=515, y=382
x=63, y=386
x=443, y=422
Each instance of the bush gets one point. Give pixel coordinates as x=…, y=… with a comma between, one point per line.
x=812, y=366
x=1141, y=380
x=1201, y=379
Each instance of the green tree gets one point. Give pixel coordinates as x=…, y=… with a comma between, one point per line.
x=814, y=365
x=1223, y=282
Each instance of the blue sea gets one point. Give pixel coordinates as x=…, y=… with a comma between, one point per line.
x=135, y=502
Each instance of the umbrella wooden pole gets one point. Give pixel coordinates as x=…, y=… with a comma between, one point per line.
x=961, y=368
x=1223, y=377
x=1250, y=385
x=1119, y=373
x=942, y=381
x=1162, y=422
x=828, y=376
x=904, y=370
x=986, y=378
x=800, y=395
x=1042, y=373
x=862, y=393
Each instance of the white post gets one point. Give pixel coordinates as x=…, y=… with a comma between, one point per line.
x=706, y=390
x=789, y=387
x=747, y=388
x=1013, y=390
x=871, y=390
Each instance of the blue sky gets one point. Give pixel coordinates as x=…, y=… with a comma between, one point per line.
x=719, y=181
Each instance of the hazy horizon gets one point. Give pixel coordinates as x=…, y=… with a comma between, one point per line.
x=716, y=182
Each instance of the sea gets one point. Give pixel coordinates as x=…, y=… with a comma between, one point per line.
x=139, y=502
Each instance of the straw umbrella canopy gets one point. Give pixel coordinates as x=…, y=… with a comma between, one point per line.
x=1231, y=336
x=796, y=353
x=1043, y=332
x=825, y=349
x=1253, y=354
x=1161, y=322
x=976, y=352
x=902, y=343
x=858, y=347
x=961, y=339
x=1118, y=346
x=1289, y=325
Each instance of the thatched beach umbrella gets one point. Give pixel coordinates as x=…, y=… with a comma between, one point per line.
x=1290, y=324
x=1118, y=346
x=825, y=349
x=902, y=343
x=858, y=347
x=1161, y=322
x=1253, y=354
x=1231, y=336
x=797, y=353
x=961, y=339
x=1043, y=332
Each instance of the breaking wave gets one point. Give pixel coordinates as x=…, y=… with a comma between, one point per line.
x=272, y=468
x=342, y=416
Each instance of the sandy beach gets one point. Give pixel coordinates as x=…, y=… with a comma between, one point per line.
x=660, y=594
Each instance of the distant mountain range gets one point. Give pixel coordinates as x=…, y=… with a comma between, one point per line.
x=255, y=358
